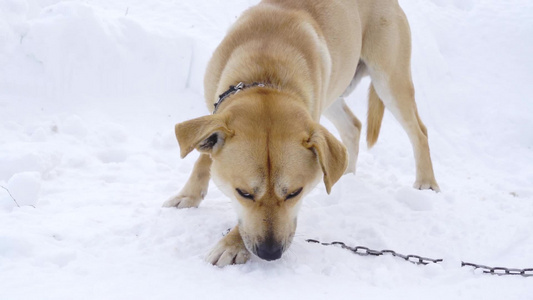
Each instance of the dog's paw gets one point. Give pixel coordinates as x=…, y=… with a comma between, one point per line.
x=223, y=255
x=229, y=251
x=426, y=185
x=183, y=201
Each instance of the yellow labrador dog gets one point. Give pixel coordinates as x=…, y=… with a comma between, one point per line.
x=280, y=67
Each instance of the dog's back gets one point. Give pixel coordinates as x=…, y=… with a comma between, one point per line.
x=339, y=26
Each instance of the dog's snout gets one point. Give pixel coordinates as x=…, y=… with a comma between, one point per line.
x=269, y=250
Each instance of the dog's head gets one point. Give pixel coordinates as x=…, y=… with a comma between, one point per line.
x=267, y=154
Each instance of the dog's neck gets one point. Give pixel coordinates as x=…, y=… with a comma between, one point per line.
x=234, y=89
x=289, y=75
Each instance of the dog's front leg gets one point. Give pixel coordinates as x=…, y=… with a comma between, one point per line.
x=230, y=250
x=195, y=189
x=349, y=127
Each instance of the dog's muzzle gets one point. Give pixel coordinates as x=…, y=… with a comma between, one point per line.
x=269, y=250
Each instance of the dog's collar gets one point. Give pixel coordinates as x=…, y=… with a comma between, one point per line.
x=234, y=89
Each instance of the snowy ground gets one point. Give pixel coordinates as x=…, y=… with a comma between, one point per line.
x=90, y=91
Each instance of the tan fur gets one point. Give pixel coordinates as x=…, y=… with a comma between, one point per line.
x=264, y=146
x=374, y=117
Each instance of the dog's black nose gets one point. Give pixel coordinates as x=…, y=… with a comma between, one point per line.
x=269, y=251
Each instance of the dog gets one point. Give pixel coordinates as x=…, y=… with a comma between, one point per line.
x=281, y=66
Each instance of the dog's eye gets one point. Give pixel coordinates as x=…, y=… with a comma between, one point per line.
x=294, y=194
x=245, y=195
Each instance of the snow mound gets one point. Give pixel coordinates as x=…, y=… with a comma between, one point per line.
x=25, y=187
x=72, y=48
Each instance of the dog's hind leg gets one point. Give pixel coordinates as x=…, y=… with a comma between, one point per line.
x=195, y=189
x=398, y=97
x=387, y=55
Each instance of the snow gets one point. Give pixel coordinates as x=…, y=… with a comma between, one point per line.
x=24, y=187
x=90, y=91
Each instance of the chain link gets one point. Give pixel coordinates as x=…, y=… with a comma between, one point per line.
x=420, y=260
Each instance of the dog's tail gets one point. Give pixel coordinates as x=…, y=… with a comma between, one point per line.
x=374, y=118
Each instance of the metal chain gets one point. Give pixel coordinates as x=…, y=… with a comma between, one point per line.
x=420, y=260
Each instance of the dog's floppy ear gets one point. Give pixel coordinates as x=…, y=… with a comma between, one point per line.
x=331, y=154
x=206, y=134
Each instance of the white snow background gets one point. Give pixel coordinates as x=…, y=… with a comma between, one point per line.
x=90, y=91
